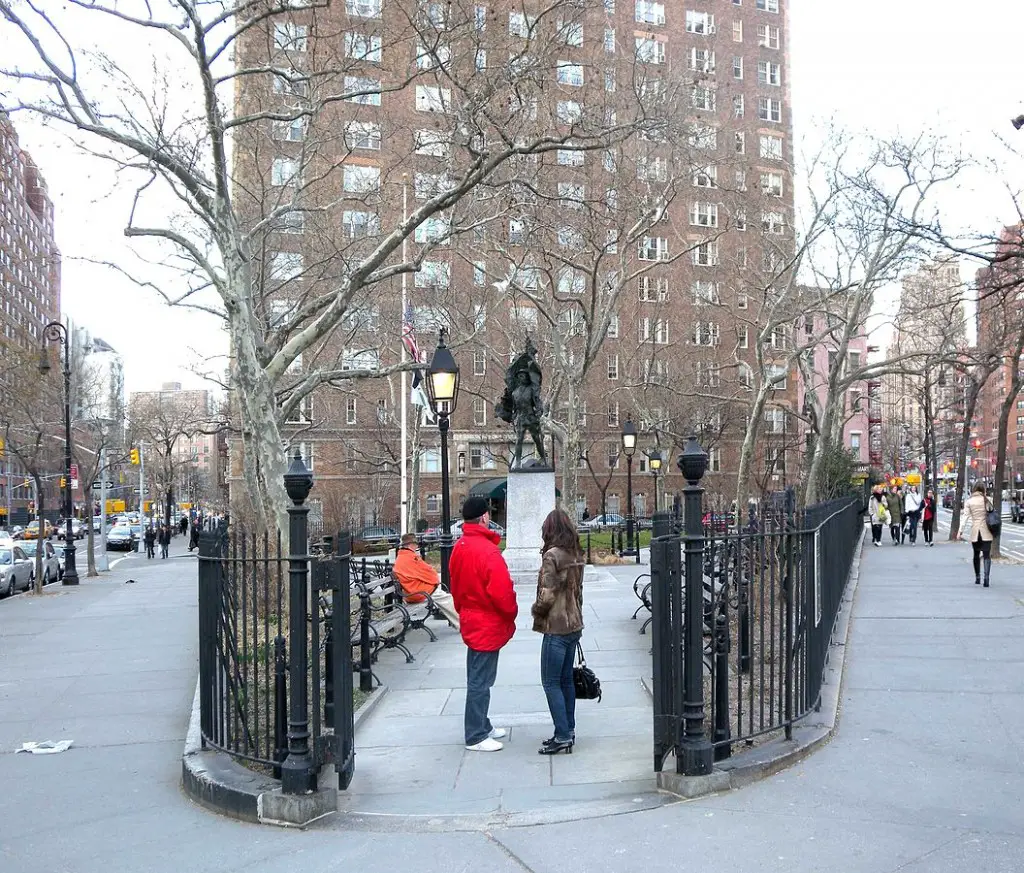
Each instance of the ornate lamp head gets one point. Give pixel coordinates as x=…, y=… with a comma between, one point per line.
x=442, y=379
x=298, y=480
x=693, y=462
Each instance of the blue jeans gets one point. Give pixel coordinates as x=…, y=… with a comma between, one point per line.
x=557, y=654
x=481, y=671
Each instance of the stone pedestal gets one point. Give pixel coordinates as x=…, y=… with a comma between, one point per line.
x=529, y=498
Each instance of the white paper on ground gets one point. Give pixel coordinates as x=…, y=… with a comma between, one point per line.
x=45, y=748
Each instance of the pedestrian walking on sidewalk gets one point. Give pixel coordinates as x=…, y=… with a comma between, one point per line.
x=878, y=514
x=418, y=579
x=183, y=524
x=928, y=518
x=894, y=503
x=912, y=509
x=149, y=539
x=164, y=538
x=558, y=615
x=975, y=510
x=485, y=600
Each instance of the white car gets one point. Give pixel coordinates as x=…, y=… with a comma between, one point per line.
x=15, y=570
x=51, y=562
x=600, y=522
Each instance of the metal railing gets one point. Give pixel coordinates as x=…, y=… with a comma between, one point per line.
x=275, y=677
x=763, y=613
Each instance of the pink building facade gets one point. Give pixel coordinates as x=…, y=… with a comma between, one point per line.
x=812, y=390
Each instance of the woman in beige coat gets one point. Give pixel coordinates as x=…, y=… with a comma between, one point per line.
x=975, y=509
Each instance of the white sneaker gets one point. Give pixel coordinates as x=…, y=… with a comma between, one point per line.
x=498, y=733
x=487, y=745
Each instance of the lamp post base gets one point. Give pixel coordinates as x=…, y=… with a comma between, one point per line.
x=70, y=570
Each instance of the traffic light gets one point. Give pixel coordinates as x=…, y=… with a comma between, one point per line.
x=135, y=457
x=977, y=445
x=63, y=482
x=3, y=445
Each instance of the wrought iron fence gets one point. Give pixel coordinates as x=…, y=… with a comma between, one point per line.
x=275, y=677
x=769, y=594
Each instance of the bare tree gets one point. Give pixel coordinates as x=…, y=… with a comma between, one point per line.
x=246, y=75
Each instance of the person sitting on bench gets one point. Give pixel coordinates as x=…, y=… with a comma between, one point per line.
x=418, y=578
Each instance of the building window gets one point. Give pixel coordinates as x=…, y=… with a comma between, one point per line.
x=363, y=47
x=613, y=413
x=650, y=13
x=768, y=36
x=290, y=37
x=737, y=67
x=285, y=266
x=701, y=60
x=360, y=180
x=613, y=504
x=431, y=142
x=699, y=22
x=705, y=177
x=705, y=292
x=767, y=5
x=613, y=327
x=706, y=254
x=433, y=503
x=284, y=171
x=569, y=74
x=432, y=99
x=769, y=73
x=737, y=31
x=363, y=135
x=706, y=333
x=715, y=459
x=769, y=109
x=653, y=248
x=363, y=8
x=771, y=147
x=430, y=461
x=704, y=214
x=356, y=224
x=350, y=410
x=703, y=97
x=737, y=106
x=479, y=362
x=290, y=131
x=778, y=375
x=479, y=412
x=740, y=142
x=650, y=50
x=613, y=367
x=743, y=336
x=363, y=90
x=773, y=222
x=771, y=184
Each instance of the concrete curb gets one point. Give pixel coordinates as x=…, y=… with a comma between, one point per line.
x=809, y=735
x=213, y=779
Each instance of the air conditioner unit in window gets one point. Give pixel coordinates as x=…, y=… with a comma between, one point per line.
x=711, y=30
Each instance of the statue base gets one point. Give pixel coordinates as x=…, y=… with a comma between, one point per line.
x=530, y=496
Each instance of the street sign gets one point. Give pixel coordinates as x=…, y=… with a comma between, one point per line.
x=96, y=486
x=74, y=471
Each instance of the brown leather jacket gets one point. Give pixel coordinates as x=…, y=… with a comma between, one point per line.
x=558, y=608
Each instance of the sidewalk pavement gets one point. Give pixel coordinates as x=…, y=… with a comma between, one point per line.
x=610, y=770
x=925, y=774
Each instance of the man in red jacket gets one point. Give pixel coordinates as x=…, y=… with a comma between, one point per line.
x=486, y=602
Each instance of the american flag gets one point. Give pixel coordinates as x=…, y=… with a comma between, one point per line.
x=409, y=333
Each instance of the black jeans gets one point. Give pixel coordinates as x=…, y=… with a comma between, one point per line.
x=914, y=518
x=481, y=671
x=928, y=528
x=876, y=533
x=557, y=654
x=895, y=531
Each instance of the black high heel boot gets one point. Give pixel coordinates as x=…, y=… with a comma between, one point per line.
x=556, y=747
x=988, y=571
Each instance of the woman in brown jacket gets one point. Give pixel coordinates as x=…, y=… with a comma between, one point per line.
x=558, y=614
x=975, y=510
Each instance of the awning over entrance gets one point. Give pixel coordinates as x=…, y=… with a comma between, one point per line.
x=495, y=489
x=490, y=489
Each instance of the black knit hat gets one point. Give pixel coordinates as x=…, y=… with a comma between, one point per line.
x=473, y=508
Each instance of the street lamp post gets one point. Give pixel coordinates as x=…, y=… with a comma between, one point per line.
x=57, y=333
x=629, y=447
x=654, y=458
x=443, y=393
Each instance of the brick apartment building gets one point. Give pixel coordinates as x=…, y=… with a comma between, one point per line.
x=931, y=321
x=183, y=420
x=323, y=179
x=29, y=284
x=999, y=286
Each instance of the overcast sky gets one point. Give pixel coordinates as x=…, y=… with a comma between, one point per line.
x=882, y=66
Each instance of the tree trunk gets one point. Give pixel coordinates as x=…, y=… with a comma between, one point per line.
x=90, y=547
x=749, y=441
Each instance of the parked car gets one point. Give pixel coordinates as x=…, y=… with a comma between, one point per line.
x=121, y=536
x=15, y=570
x=77, y=530
x=602, y=522
x=59, y=550
x=51, y=563
x=17, y=532
x=377, y=534
x=32, y=531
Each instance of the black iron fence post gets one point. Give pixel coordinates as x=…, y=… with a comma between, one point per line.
x=590, y=557
x=280, y=704
x=722, y=747
x=298, y=772
x=344, y=709
x=666, y=631
x=693, y=752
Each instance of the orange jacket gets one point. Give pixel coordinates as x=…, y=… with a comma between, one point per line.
x=416, y=575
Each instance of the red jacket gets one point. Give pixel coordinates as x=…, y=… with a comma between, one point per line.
x=482, y=589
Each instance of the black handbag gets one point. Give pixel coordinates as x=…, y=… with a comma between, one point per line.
x=588, y=686
x=994, y=521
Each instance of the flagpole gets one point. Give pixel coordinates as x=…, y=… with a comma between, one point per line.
x=403, y=523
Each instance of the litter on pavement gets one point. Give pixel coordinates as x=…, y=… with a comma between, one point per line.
x=45, y=748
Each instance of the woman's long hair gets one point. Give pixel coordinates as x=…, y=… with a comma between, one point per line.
x=979, y=488
x=558, y=530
